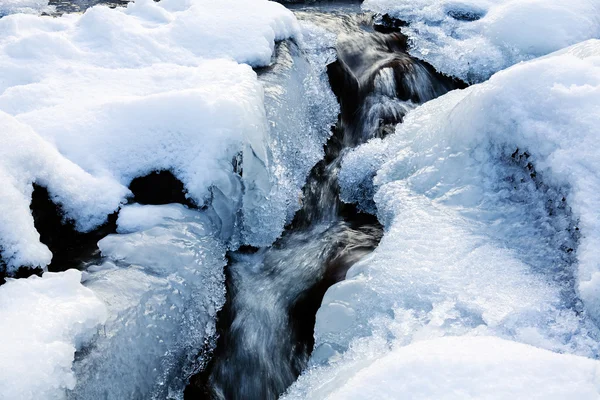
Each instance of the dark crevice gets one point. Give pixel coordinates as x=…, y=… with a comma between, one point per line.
x=21, y=272
x=386, y=24
x=159, y=187
x=70, y=248
x=74, y=249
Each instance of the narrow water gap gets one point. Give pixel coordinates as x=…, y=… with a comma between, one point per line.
x=266, y=326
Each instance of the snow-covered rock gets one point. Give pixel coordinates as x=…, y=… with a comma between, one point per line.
x=43, y=321
x=458, y=368
x=473, y=39
x=91, y=101
x=489, y=198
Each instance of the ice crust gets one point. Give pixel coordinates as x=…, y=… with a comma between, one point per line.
x=43, y=322
x=473, y=39
x=489, y=198
x=162, y=283
x=89, y=102
x=463, y=368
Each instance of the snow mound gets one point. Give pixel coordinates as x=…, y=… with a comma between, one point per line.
x=91, y=101
x=489, y=198
x=460, y=368
x=44, y=321
x=473, y=39
x=23, y=6
x=163, y=284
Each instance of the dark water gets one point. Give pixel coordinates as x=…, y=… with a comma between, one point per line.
x=267, y=325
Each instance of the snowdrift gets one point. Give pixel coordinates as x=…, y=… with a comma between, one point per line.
x=464, y=368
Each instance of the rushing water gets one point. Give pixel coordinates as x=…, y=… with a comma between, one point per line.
x=266, y=327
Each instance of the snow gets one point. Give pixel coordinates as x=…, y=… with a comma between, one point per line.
x=489, y=200
x=473, y=39
x=44, y=321
x=23, y=6
x=113, y=94
x=462, y=368
x=162, y=283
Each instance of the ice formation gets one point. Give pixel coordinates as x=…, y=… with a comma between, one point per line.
x=489, y=199
x=462, y=368
x=117, y=93
x=43, y=322
x=23, y=6
x=473, y=39
x=163, y=284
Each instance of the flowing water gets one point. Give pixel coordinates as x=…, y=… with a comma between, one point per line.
x=266, y=327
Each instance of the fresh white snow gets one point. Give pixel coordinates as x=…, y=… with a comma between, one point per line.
x=473, y=39
x=460, y=368
x=43, y=321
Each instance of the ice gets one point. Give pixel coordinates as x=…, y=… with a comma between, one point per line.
x=114, y=94
x=473, y=39
x=23, y=6
x=459, y=368
x=489, y=200
x=301, y=109
x=163, y=284
x=43, y=322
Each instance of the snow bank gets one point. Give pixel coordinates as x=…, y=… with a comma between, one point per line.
x=163, y=284
x=23, y=6
x=92, y=101
x=473, y=39
x=489, y=198
x=459, y=368
x=44, y=320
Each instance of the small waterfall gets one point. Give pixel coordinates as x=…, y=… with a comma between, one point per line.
x=266, y=326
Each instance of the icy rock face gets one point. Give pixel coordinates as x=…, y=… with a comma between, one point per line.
x=489, y=197
x=23, y=6
x=163, y=284
x=473, y=39
x=301, y=109
x=43, y=322
x=117, y=93
x=459, y=368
